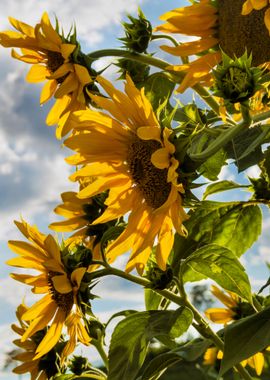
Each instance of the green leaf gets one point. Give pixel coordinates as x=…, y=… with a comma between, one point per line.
x=158, y=88
x=193, y=349
x=152, y=299
x=123, y=313
x=212, y=166
x=190, y=351
x=221, y=186
x=241, y=143
x=226, y=224
x=112, y=233
x=159, y=365
x=245, y=338
x=222, y=266
x=184, y=371
x=132, y=336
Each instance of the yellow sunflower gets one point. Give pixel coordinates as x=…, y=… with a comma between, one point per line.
x=59, y=286
x=131, y=156
x=29, y=364
x=51, y=57
x=220, y=26
x=231, y=313
x=79, y=214
x=221, y=315
x=256, y=361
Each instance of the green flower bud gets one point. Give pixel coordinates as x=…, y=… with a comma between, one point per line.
x=95, y=329
x=138, y=33
x=159, y=279
x=79, y=365
x=235, y=79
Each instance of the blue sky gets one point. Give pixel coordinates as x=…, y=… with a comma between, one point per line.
x=32, y=168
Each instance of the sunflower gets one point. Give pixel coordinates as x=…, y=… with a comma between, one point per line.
x=221, y=315
x=29, y=364
x=256, y=361
x=130, y=155
x=234, y=310
x=60, y=287
x=220, y=26
x=79, y=214
x=51, y=56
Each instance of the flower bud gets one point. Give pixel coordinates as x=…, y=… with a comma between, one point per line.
x=235, y=80
x=138, y=33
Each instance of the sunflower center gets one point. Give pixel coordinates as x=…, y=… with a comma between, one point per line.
x=151, y=181
x=54, y=61
x=237, y=32
x=64, y=301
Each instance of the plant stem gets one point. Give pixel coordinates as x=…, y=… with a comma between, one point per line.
x=143, y=58
x=102, y=353
x=165, y=36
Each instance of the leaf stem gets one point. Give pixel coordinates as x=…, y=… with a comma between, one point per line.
x=164, y=36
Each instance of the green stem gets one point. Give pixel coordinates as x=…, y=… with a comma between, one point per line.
x=257, y=304
x=143, y=58
x=204, y=94
x=164, y=36
x=102, y=353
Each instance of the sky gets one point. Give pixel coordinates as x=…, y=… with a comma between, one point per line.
x=32, y=168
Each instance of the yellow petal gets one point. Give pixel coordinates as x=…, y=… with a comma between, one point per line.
x=82, y=74
x=37, y=73
x=49, y=31
x=219, y=315
x=247, y=8
x=62, y=284
x=267, y=19
x=161, y=159
x=53, y=335
x=257, y=362
x=57, y=110
x=48, y=90
x=149, y=133
x=69, y=85
x=77, y=276
x=67, y=49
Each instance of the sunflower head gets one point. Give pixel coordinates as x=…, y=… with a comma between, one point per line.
x=235, y=80
x=138, y=33
x=48, y=365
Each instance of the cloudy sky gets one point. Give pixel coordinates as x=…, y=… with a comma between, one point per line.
x=32, y=168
